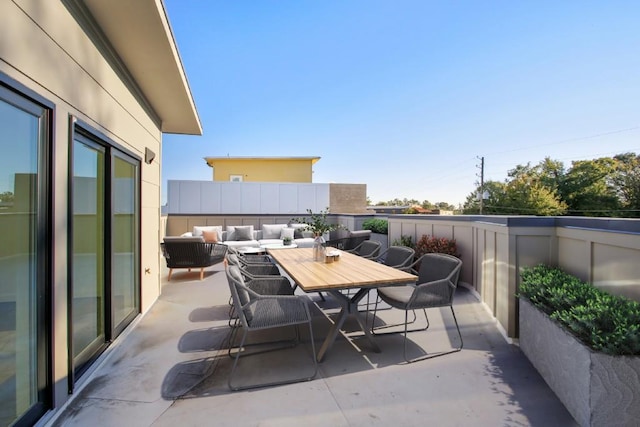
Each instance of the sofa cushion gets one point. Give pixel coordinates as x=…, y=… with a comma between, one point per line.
x=287, y=233
x=240, y=232
x=198, y=229
x=306, y=242
x=210, y=236
x=270, y=242
x=242, y=243
x=272, y=231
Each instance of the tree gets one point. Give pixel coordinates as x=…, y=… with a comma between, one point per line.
x=626, y=180
x=589, y=188
x=6, y=197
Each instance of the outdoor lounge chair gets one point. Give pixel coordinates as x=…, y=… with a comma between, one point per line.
x=257, y=312
x=191, y=252
x=436, y=287
x=347, y=243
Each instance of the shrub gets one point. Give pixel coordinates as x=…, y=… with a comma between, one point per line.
x=376, y=225
x=403, y=241
x=429, y=244
x=606, y=323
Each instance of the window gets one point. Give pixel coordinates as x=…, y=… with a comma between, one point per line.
x=235, y=178
x=24, y=266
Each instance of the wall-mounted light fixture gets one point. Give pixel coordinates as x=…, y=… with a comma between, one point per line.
x=149, y=156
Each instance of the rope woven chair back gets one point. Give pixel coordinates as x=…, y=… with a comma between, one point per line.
x=239, y=292
x=434, y=267
x=369, y=249
x=399, y=256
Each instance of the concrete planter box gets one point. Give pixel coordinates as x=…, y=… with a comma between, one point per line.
x=382, y=238
x=597, y=389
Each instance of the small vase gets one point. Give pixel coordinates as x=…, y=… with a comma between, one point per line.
x=318, y=248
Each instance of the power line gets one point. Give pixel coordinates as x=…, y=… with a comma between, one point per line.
x=564, y=141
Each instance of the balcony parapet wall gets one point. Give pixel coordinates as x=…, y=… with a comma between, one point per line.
x=494, y=249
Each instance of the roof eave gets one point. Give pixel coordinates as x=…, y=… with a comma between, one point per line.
x=140, y=33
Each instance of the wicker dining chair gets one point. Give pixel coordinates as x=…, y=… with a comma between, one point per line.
x=257, y=312
x=251, y=258
x=436, y=286
x=262, y=279
x=369, y=249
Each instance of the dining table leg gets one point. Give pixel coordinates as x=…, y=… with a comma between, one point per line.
x=349, y=306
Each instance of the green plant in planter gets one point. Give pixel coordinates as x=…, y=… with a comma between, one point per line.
x=376, y=225
x=404, y=241
x=286, y=241
x=317, y=222
x=606, y=323
x=431, y=244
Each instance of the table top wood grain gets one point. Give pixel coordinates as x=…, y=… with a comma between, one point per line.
x=351, y=271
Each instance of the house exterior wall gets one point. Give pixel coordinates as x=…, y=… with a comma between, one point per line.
x=45, y=49
x=263, y=170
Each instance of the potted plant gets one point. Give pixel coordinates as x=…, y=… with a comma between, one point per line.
x=584, y=342
x=318, y=225
x=286, y=241
x=379, y=231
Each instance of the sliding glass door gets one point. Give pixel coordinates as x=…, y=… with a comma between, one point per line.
x=105, y=272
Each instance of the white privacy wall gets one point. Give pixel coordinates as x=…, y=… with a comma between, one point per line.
x=210, y=197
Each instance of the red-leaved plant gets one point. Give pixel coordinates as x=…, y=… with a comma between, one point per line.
x=430, y=244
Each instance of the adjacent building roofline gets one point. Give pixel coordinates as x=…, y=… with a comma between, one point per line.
x=211, y=160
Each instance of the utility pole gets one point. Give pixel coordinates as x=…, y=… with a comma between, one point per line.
x=481, y=191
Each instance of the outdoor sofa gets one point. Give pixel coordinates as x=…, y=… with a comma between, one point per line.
x=248, y=236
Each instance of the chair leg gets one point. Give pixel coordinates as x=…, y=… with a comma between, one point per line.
x=415, y=318
x=294, y=380
x=201, y=274
x=431, y=356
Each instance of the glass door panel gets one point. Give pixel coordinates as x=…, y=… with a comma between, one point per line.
x=125, y=269
x=88, y=249
x=22, y=134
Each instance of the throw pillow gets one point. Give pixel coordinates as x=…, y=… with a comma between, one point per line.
x=244, y=233
x=198, y=230
x=298, y=230
x=210, y=236
x=272, y=231
x=287, y=232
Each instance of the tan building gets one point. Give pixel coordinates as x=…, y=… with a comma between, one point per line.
x=262, y=169
x=87, y=88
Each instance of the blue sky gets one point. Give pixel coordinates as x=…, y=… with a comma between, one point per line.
x=404, y=96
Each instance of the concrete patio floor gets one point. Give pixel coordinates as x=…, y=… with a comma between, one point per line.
x=172, y=369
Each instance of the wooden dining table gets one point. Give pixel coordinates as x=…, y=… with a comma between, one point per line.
x=348, y=272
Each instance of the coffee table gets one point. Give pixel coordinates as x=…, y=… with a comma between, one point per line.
x=278, y=246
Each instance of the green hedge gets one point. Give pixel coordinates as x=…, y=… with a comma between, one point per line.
x=376, y=225
x=606, y=323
